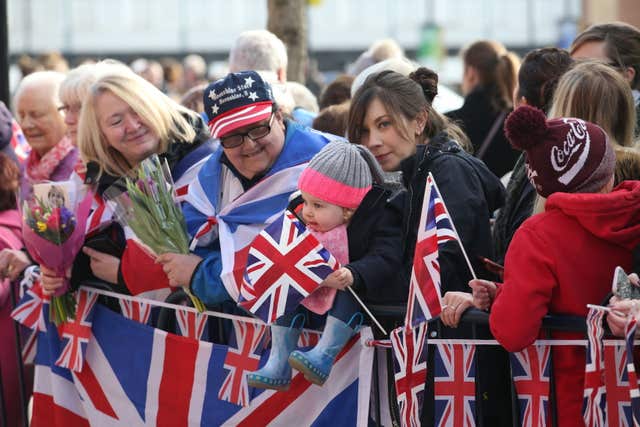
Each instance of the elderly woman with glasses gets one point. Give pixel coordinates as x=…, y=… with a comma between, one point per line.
x=243, y=185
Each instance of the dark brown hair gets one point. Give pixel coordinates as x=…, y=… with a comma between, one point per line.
x=9, y=181
x=333, y=119
x=403, y=97
x=497, y=70
x=337, y=91
x=622, y=45
x=539, y=74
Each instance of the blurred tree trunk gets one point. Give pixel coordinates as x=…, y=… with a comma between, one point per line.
x=288, y=20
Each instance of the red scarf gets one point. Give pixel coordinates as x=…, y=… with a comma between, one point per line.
x=41, y=168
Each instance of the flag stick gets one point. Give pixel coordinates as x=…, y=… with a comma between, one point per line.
x=473, y=273
x=367, y=311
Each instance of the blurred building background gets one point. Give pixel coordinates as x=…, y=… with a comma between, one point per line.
x=432, y=31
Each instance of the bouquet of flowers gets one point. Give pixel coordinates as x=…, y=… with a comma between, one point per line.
x=53, y=228
x=146, y=204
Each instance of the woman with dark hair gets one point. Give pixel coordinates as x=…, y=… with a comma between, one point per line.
x=487, y=84
x=537, y=81
x=392, y=115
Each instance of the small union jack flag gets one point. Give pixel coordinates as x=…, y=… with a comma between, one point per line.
x=135, y=310
x=240, y=359
x=19, y=143
x=530, y=370
x=634, y=393
x=191, y=324
x=435, y=227
x=595, y=399
x=617, y=385
x=30, y=310
x=454, y=385
x=76, y=333
x=410, y=366
x=285, y=264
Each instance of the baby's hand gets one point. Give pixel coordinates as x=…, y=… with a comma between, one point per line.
x=339, y=279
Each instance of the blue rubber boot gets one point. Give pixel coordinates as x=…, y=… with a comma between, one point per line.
x=276, y=373
x=316, y=363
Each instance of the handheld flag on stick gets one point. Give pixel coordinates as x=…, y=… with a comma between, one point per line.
x=286, y=263
x=435, y=227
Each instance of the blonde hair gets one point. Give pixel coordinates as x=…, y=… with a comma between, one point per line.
x=595, y=92
x=163, y=116
x=75, y=86
x=627, y=164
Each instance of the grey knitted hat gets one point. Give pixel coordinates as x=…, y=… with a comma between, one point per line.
x=340, y=174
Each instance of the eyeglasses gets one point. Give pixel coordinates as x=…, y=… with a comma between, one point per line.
x=236, y=140
x=73, y=108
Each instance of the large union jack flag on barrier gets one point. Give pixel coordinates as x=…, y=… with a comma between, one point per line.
x=595, y=399
x=174, y=381
x=634, y=393
x=530, y=369
x=454, y=384
x=617, y=385
x=410, y=366
x=75, y=333
x=435, y=227
x=285, y=264
x=241, y=358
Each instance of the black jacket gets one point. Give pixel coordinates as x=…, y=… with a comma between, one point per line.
x=375, y=244
x=517, y=208
x=471, y=193
x=476, y=117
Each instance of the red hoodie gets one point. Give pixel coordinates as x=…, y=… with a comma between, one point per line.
x=558, y=262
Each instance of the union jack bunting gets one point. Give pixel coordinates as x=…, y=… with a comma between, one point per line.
x=617, y=385
x=595, y=399
x=285, y=264
x=634, y=393
x=454, y=385
x=76, y=333
x=29, y=311
x=135, y=310
x=435, y=227
x=410, y=366
x=530, y=370
x=191, y=324
x=240, y=359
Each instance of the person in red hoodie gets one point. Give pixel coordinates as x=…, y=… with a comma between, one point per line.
x=563, y=258
x=10, y=238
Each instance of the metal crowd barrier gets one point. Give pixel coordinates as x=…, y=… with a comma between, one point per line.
x=391, y=317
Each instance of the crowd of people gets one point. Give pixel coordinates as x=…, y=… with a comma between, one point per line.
x=538, y=168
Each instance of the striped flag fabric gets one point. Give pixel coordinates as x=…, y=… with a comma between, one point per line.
x=595, y=400
x=435, y=227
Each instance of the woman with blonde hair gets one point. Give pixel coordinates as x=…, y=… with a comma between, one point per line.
x=124, y=119
x=595, y=92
